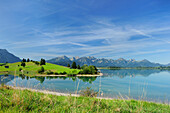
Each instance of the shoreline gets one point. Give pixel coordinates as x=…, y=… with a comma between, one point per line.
x=101, y=74
x=78, y=95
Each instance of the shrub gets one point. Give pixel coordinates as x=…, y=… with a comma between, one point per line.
x=49, y=72
x=88, y=92
x=63, y=73
x=71, y=74
x=23, y=64
x=20, y=69
x=56, y=73
x=36, y=62
x=88, y=69
x=41, y=70
x=68, y=65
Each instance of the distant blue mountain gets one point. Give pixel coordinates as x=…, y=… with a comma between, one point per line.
x=102, y=62
x=5, y=56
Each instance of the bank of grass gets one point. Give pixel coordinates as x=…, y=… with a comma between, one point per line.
x=15, y=100
x=31, y=69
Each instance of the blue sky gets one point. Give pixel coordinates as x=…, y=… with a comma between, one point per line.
x=138, y=29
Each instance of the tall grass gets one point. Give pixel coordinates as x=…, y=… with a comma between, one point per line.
x=15, y=100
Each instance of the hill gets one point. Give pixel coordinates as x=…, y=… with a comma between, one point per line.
x=102, y=62
x=5, y=56
x=31, y=69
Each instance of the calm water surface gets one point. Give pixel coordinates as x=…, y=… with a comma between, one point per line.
x=151, y=85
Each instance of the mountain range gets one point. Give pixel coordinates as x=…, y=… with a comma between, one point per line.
x=5, y=56
x=102, y=62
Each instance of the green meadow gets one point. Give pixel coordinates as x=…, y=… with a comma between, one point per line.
x=31, y=69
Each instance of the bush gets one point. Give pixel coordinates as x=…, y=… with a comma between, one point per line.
x=36, y=62
x=49, y=72
x=71, y=74
x=41, y=70
x=56, y=73
x=23, y=64
x=63, y=73
x=88, y=92
x=68, y=65
x=20, y=69
x=88, y=69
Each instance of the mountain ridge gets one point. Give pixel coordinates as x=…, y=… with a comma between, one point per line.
x=103, y=62
x=6, y=56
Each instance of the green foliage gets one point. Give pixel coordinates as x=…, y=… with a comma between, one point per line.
x=68, y=65
x=42, y=62
x=78, y=67
x=63, y=73
x=20, y=69
x=56, y=73
x=49, y=72
x=28, y=60
x=88, y=69
x=23, y=64
x=41, y=70
x=88, y=92
x=36, y=62
x=74, y=65
x=23, y=60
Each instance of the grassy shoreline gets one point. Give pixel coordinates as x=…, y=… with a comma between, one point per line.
x=17, y=100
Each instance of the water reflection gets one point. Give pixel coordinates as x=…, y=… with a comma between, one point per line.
x=130, y=82
x=130, y=72
x=42, y=79
x=106, y=73
x=6, y=78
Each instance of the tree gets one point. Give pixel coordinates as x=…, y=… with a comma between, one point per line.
x=74, y=65
x=78, y=67
x=28, y=60
x=41, y=70
x=23, y=64
x=88, y=70
x=68, y=65
x=42, y=62
x=23, y=60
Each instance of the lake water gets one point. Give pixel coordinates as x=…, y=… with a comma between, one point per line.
x=151, y=85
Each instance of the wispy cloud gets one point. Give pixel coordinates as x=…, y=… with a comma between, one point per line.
x=81, y=28
x=115, y=39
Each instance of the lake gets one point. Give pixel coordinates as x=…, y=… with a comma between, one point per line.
x=150, y=85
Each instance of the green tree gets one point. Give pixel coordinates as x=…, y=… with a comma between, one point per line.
x=68, y=65
x=41, y=70
x=42, y=62
x=23, y=60
x=28, y=60
x=23, y=64
x=78, y=67
x=74, y=65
